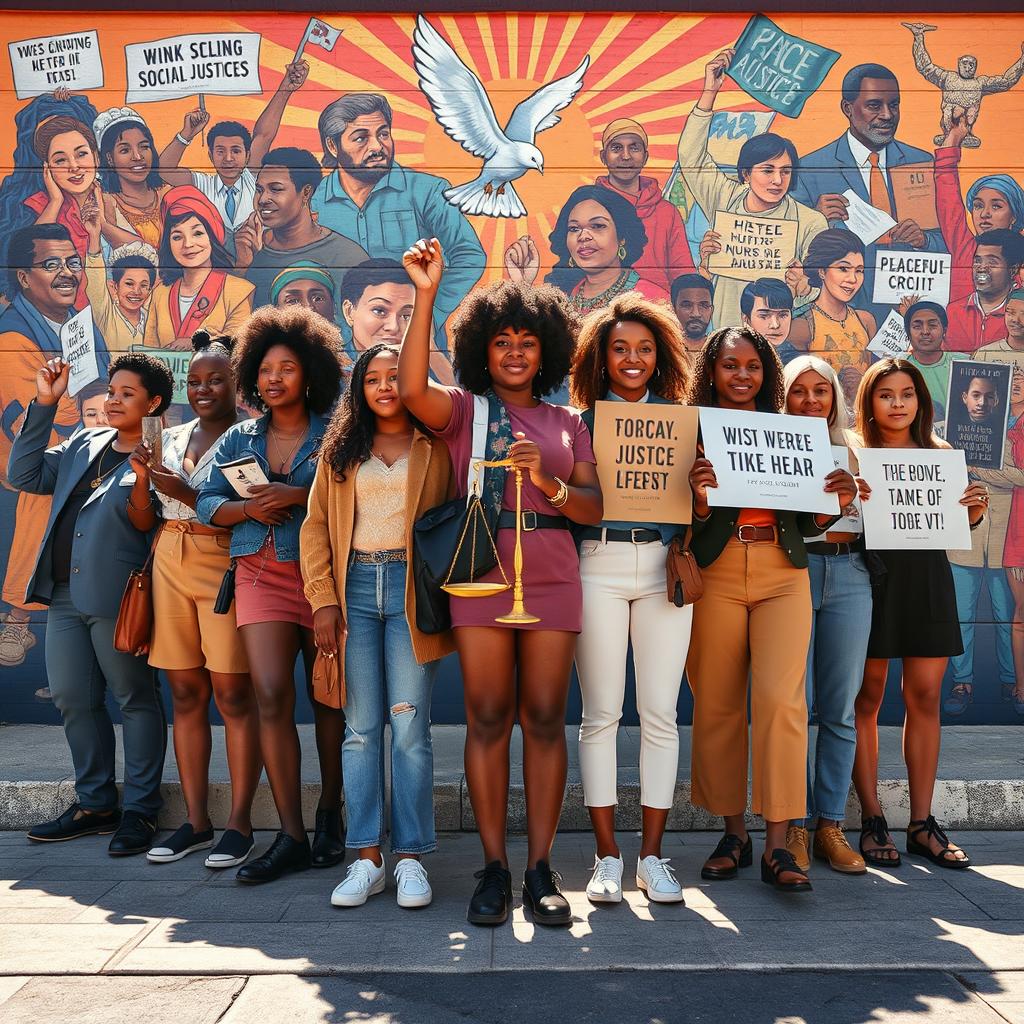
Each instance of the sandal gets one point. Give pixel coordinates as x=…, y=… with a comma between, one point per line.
x=783, y=862
x=731, y=846
x=878, y=828
x=946, y=857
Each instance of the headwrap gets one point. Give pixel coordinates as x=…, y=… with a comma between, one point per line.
x=1006, y=186
x=1017, y=293
x=188, y=199
x=302, y=270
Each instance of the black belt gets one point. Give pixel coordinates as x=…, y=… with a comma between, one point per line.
x=828, y=547
x=638, y=535
x=531, y=521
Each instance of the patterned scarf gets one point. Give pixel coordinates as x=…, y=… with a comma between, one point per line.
x=499, y=440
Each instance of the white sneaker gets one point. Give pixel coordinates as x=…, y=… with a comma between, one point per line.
x=413, y=888
x=654, y=877
x=605, y=885
x=364, y=879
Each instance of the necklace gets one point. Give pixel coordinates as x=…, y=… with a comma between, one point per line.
x=277, y=444
x=621, y=283
x=835, y=320
x=100, y=475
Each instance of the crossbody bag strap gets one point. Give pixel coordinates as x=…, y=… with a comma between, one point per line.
x=481, y=415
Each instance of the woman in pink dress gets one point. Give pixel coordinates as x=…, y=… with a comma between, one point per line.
x=512, y=345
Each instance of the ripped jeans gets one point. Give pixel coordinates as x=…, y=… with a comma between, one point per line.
x=386, y=686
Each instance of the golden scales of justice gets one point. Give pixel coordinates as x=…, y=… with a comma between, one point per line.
x=479, y=588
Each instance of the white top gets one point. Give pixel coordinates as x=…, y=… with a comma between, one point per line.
x=217, y=192
x=380, y=505
x=862, y=155
x=175, y=443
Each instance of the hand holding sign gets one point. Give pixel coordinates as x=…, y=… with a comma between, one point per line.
x=295, y=75
x=52, y=381
x=715, y=69
x=195, y=121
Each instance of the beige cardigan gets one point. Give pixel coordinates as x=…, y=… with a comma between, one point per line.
x=325, y=540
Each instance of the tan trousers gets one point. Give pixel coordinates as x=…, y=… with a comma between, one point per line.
x=754, y=622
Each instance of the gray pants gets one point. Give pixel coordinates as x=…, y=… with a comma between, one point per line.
x=81, y=664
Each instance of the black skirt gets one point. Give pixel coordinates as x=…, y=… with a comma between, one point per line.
x=913, y=613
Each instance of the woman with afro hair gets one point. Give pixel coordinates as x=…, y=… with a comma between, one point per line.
x=288, y=364
x=512, y=346
x=630, y=351
x=753, y=623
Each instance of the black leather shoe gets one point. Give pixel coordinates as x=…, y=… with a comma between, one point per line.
x=75, y=822
x=284, y=856
x=740, y=853
x=493, y=897
x=542, y=895
x=134, y=835
x=328, y=839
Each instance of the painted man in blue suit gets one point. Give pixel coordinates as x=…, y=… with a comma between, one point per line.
x=861, y=159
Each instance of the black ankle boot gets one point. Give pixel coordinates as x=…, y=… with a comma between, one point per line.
x=542, y=895
x=492, y=900
x=328, y=839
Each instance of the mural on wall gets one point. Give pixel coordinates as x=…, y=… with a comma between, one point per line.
x=781, y=171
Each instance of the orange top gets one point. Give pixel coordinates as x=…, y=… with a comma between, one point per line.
x=756, y=517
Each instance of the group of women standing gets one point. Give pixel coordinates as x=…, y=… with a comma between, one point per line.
x=794, y=612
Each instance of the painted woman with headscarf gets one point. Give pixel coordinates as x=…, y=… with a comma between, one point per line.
x=995, y=201
x=195, y=287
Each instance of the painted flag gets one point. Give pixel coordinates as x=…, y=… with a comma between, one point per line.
x=322, y=34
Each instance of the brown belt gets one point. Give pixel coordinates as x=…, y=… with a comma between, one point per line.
x=192, y=526
x=750, y=534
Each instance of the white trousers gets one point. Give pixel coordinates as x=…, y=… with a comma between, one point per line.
x=624, y=599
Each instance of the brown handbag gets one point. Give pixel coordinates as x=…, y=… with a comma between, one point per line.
x=328, y=683
x=682, y=573
x=134, y=629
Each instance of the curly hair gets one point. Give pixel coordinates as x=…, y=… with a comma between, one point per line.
x=155, y=375
x=588, y=377
x=541, y=310
x=315, y=342
x=628, y=225
x=772, y=395
x=866, y=428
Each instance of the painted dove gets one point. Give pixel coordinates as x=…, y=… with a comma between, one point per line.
x=463, y=108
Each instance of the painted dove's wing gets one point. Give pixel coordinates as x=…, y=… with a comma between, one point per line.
x=539, y=112
x=459, y=100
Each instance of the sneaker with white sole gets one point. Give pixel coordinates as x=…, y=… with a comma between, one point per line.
x=364, y=879
x=655, y=878
x=605, y=885
x=413, y=888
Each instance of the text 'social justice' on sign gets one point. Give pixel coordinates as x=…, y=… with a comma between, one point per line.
x=225, y=64
x=644, y=454
x=765, y=460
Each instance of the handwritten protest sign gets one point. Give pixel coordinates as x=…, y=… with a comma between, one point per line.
x=763, y=460
x=913, y=185
x=70, y=61
x=221, y=63
x=900, y=272
x=977, y=409
x=915, y=499
x=777, y=69
x=78, y=346
x=891, y=338
x=177, y=362
x=753, y=247
x=644, y=454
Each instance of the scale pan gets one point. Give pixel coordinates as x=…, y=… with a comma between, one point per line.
x=474, y=589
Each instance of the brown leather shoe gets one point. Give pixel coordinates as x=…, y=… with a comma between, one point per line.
x=830, y=844
x=798, y=843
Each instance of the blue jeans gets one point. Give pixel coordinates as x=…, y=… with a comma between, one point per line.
x=841, y=600
x=386, y=685
x=968, y=581
x=81, y=665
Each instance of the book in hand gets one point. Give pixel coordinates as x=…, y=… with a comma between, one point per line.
x=242, y=474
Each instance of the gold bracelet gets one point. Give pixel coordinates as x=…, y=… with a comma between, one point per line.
x=561, y=496
x=145, y=508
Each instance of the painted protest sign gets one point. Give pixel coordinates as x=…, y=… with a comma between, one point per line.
x=777, y=69
x=71, y=61
x=913, y=185
x=644, y=454
x=915, y=499
x=753, y=247
x=891, y=338
x=977, y=409
x=78, y=346
x=177, y=362
x=764, y=460
x=222, y=63
x=901, y=272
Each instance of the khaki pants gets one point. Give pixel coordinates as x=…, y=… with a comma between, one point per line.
x=754, y=622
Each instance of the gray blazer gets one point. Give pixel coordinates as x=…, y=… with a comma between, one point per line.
x=106, y=546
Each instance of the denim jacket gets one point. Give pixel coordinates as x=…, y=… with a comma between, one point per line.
x=250, y=438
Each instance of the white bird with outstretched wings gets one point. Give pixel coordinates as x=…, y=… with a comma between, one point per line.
x=463, y=108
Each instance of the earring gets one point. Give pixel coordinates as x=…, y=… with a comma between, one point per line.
x=622, y=252
x=572, y=263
